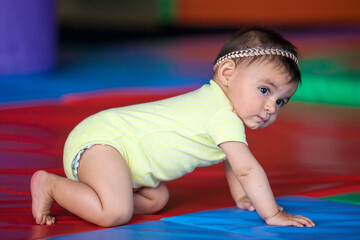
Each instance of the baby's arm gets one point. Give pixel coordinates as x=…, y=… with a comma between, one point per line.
x=256, y=186
x=237, y=192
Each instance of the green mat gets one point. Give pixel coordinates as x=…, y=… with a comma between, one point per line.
x=353, y=198
x=331, y=79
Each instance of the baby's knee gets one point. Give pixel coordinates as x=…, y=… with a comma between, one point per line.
x=115, y=217
x=161, y=198
x=160, y=202
x=152, y=199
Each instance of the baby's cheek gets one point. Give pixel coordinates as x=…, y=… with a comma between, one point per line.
x=271, y=120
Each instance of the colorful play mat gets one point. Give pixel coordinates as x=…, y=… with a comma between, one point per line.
x=311, y=154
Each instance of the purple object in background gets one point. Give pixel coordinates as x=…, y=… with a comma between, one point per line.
x=28, y=36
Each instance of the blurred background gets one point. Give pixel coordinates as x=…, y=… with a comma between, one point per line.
x=61, y=61
x=52, y=48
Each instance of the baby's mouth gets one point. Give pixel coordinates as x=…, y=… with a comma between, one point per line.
x=262, y=119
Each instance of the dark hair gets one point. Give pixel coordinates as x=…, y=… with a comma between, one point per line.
x=262, y=37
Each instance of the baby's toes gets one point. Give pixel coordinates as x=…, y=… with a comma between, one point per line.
x=50, y=220
x=40, y=220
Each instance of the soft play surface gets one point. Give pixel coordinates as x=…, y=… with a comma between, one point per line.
x=311, y=152
x=333, y=221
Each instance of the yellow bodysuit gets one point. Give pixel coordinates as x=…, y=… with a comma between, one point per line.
x=165, y=139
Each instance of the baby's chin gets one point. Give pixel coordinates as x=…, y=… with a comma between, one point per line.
x=254, y=126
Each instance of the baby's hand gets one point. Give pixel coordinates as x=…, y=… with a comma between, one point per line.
x=245, y=203
x=287, y=219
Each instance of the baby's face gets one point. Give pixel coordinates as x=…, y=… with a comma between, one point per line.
x=258, y=91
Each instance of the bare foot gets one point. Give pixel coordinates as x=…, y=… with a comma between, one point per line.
x=42, y=200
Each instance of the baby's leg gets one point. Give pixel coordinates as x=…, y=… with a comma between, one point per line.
x=103, y=196
x=150, y=200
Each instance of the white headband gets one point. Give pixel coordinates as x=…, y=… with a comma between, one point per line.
x=257, y=51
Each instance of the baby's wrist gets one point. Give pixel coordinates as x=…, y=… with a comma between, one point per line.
x=274, y=215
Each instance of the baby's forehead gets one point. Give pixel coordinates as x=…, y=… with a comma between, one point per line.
x=269, y=70
x=281, y=65
x=271, y=63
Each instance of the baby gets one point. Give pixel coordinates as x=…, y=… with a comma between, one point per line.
x=117, y=161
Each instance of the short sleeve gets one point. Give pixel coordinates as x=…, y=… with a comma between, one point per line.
x=226, y=126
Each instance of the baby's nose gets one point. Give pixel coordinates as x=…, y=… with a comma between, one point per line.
x=270, y=106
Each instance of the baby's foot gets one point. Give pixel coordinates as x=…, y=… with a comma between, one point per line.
x=42, y=200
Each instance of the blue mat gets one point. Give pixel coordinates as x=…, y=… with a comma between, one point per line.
x=333, y=220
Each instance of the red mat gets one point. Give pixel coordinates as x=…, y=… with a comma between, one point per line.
x=311, y=150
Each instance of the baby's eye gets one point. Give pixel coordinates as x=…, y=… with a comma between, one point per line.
x=264, y=91
x=280, y=102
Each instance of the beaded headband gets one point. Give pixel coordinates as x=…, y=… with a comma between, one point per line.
x=257, y=51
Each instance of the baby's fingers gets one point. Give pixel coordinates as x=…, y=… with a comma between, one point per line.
x=245, y=203
x=286, y=219
x=294, y=223
x=304, y=221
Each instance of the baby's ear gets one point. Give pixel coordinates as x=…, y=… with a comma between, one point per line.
x=226, y=70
